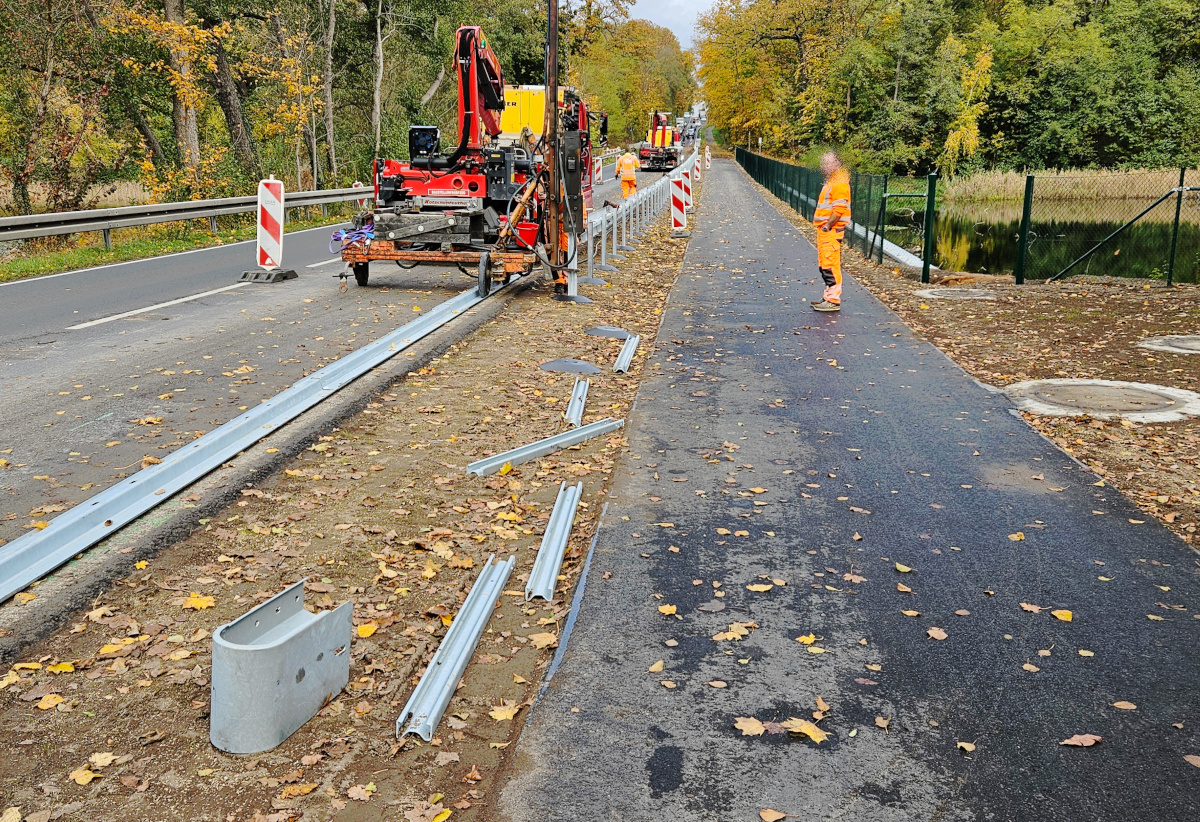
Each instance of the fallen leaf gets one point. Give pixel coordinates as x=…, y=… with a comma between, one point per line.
x=911, y=613
x=198, y=602
x=83, y=776
x=1081, y=740
x=667, y=610
x=361, y=793
x=966, y=746
x=302, y=789
x=473, y=775
x=807, y=639
x=1085, y=653
x=506, y=710
x=904, y=569
x=1017, y=537
x=102, y=759
x=902, y=588
x=543, y=640
x=749, y=726
x=823, y=706
x=1029, y=666
x=760, y=587
x=1155, y=617
x=1192, y=759
x=367, y=629
x=803, y=726
x=962, y=612
x=49, y=701
x=936, y=633
x=61, y=668
x=11, y=814
x=883, y=722
x=668, y=684
x=656, y=667
x=1033, y=609
x=770, y=815
x=1062, y=614
x=1125, y=706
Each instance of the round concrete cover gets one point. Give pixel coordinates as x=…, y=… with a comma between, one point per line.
x=954, y=294
x=570, y=366
x=1173, y=343
x=1105, y=399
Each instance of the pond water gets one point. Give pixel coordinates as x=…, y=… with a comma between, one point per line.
x=982, y=238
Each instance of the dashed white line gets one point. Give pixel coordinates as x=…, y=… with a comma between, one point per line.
x=324, y=262
x=125, y=314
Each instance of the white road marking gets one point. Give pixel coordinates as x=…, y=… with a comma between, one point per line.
x=125, y=314
x=324, y=262
x=28, y=280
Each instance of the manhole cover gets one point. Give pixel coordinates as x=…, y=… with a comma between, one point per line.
x=609, y=331
x=1134, y=401
x=954, y=294
x=1173, y=343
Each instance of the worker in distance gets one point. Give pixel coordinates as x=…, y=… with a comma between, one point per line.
x=831, y=218
x=627, y=169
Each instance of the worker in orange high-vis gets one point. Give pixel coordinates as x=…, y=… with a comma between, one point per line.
x=831, y=218
x=627, y=169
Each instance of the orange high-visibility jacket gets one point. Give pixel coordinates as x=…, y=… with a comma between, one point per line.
x=627, y=167
x=833, y=206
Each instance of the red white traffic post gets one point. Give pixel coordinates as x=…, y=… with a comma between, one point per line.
x=269, y=249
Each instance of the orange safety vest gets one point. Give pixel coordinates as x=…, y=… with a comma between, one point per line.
x=833, y=206
x=627, y=167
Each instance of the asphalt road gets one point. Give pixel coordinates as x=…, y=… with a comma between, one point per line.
x=810, y=453
x=175, y=343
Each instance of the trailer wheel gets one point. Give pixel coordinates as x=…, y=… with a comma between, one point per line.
x=485, y=275
x=361, y=273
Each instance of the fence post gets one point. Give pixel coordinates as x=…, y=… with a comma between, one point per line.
x=879, y=229
x=930, y=201
x=1175, y=230
x=866, y=223
x=107, y=233
x=1023, y=232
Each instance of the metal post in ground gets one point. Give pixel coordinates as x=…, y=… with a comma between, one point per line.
x=866, y=222
x=590, y=278
x=1023, y=232
x=616, y=218
x=930, y=204
x=1175, y=229
x=604, y=266
x=882, y=224
x=107, y=232
x=622, y=220
x=212, y=222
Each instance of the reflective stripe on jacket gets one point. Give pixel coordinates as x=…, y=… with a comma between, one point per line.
x=627, y=167
x=833, y=206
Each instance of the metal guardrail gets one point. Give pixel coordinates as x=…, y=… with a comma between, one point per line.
x=544, y=576
x=104, y=220
x=37, y=553
x=492, y=464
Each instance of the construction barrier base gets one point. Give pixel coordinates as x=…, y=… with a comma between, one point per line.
x=260, y=276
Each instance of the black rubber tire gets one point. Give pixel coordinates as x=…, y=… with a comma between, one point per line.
x=362, y=273
x=484, y=286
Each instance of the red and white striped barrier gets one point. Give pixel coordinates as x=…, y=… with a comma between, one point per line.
x=678, y=206
x=707, y=158
x=270, y=224
x=687, y=187
x=597, y=171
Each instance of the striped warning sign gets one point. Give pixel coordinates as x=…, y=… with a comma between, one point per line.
x=270, y=223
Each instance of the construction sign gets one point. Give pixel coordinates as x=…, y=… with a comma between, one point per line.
x=270, y=223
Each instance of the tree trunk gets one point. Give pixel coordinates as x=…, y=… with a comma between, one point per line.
x=183, y=113
x=433, y=89
x=231, y=105
x=327, y=89
x=23, y=175
x=134, y=112
x=377, y=101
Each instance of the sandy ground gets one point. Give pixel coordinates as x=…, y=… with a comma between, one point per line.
x=108, y=720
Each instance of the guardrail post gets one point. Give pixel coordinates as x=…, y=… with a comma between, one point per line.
x=1175, y=230
x=930, y=205
x=882, y=225
x=212, y=223
x=866, y=225
x=107, y=234
x=604, y=266
x=1023, y=232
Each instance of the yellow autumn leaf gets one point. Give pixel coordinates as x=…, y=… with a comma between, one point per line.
x=758, y=490
x=504, y=711
x=1086, y=653
x=904, y=569
x=656, y=668
x=1125, y=706
x=749, y=726
x=182, y=653
x=902, y=588
x=771, y=815
x=1062, y=614
x=807, y=639
x=760, y=587
x=667, y=610
x=1017, y=537
x=813, y=649
x=83, y=776
x=61, y=668
x=25, y=597
x=11, y=814
x=102, y=759
x=803, y=726
x=8, y=679
x=967, y=746
x=367, y=629
x=443, y=816
x=506, y=469
x=198, y=602
x=724, y=532
x=290, y=791
x=49, y=701
x=141, y=565
x=911, y=613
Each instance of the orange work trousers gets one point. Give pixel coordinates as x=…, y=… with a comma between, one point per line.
x=628, y=187
x=829, y=260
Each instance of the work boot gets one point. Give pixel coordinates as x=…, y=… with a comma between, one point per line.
x=825, y=305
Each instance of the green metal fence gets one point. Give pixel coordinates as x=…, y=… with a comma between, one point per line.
x=880, y=203
x=1143, y=224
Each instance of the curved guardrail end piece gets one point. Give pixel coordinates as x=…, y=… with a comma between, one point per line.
x=273, y=668
x=425, y=707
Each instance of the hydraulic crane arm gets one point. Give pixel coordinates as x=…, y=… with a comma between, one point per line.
x=480, y=90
